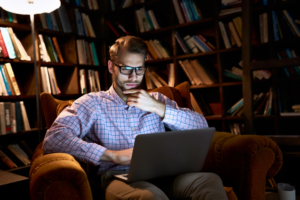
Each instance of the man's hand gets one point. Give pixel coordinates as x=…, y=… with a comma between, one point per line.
x=142, y=100
x=122, y=157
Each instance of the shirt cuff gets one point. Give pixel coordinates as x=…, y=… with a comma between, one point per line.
x=170, y=115
x=93, y=153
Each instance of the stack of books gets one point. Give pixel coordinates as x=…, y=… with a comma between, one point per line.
x=187, y=11
x=15, y=155
x=8, y=16
x=117, y=4
x=49, y=82
x=230, y=6
x=56, y=21
x=232, y=32
x=155, y=79
x=83, y=24
x=289, y=71
x=157, y=49
x=10, y=45
x=236, y=128
x=49, y=49
x=197, y=72
x=147, y=20
x=194, y=44
x=94, y=81
x=13, y=118
x=117, y=28
x=8, y=81
x=92, y=4
x=86, y=52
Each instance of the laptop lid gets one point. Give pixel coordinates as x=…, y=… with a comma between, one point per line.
x=169, y=153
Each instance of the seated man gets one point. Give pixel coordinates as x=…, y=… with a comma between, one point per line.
x=111, y=120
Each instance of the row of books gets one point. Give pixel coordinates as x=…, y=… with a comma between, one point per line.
x=8, y=82
x=262, y=105
x=288, y=106
x=147, y=20
x=117, y=28
x=49, y=49
x=237, y=73
x=194, y=44
x=116, y=4
x=157, y=49
x=296, y=108
x=56, y=21
x=83, y=24
x=13, y=118
x=236, y=128
x=93, y=80
x=198, y=72
x=10, y=45
x=8, y=16
x=87, y=54
x=49, y=82
x=187, y=11
x=91, y=4
x=230, y=6
x=155, y=79
x=232, y=32
x=15, y=155
x=289, y=71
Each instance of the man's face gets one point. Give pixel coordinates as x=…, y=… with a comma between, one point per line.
x=125, y=82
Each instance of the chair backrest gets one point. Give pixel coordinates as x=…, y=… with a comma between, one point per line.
x=52, y=107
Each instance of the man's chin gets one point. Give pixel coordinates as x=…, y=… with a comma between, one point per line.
x=130, y=86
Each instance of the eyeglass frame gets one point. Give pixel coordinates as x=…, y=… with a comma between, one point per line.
x=132, y=68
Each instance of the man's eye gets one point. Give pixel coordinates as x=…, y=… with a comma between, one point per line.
x=127, y=68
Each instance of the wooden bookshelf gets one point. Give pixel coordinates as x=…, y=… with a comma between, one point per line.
x=67, y=73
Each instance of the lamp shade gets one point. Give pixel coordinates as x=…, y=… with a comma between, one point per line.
x=28, y=7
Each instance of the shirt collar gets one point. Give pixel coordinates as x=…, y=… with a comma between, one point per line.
x=112, y=92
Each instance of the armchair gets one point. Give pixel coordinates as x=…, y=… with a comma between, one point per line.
x=243, y=162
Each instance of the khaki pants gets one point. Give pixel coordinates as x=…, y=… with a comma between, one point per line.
x=200, y=186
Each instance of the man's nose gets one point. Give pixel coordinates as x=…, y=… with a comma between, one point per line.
x=133, y=76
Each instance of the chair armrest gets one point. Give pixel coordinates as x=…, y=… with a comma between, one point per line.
x=244, y=162
x=58, y=176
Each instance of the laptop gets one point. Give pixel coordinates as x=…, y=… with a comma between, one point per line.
x=168, y=154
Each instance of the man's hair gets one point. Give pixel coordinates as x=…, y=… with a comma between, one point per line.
x=131, y=43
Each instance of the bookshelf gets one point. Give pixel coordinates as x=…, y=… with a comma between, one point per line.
x=67, y=73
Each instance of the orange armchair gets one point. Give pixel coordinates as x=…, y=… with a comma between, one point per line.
x=243, y=162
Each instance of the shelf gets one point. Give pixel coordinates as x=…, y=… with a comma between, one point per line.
x=152, y=32
x=13, y=137
x=55, y=33
x=57, y=64
x=233, y=118
x=15, y=26
x=232, y=83
x=159, y=60
x=88, y=38
x=90, y=66
x=213, y=117
x=204, y=86
x=232, y=15
x=21, y=97
x=293, y=140
x=194, y=23
x=15, y=61
x=275, y=63
x=230, y=49
x=194, y=55
x=18, y=168
x=264, y=116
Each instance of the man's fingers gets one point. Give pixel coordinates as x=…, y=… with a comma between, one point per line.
x=132, y=99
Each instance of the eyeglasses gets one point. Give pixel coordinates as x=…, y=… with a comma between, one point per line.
x=126, y=70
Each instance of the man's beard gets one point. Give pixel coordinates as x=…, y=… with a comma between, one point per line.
x=122, y=85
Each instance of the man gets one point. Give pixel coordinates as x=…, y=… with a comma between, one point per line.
x=111, y=120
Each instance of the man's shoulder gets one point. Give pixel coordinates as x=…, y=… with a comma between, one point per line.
x=93, y=97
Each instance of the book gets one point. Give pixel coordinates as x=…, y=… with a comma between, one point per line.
x=186, y=45
x=178, y=12
x=291, y=21
x=8, y=80
x=19, y=120
x=238, y=25
x=235, y=34
x=195, y=105
x=16, y=150
x=149, y=83
x=156, y=82
x=171, y=81
x=259, y=109
x=5, y=81
x=205, y=109
x=186, y=72
x=11, y=76
x=3, y=48
x=14, y=42
x=5, y=159
x=159, y=78
x=192, y=72
x=151, y=50
x=57, y=49
x=82, y=81
x=232, y=75
x=235, y=106
x=24, y=116
x=202, y=70
x=8, y=43
x=224, y=35
x=2, y=119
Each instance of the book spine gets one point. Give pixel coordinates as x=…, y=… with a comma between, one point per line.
x=95, y=57
x=7, y=117
x=186, y=72
x=8, y=43
x=3, y=46
x=5, y=81
x=290, y=55
x=275, y=26
x=182, y=44
x=203, y=42
x=112, y=28
x=78, y=22
x=190, y=43
x=13, y=79
x=234, y=76
x=290, y=19
x=266, y=30
x=57, y=49
x=178, y=12
x=19, y=120
x=224, y=35
x=285, y=69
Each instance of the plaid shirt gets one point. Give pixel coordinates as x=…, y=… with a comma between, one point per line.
x=106, y=122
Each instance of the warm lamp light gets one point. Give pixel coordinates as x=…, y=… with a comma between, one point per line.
x=31, y=7
x=28, y=7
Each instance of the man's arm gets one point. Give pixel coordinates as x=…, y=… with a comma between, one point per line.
x=67, y=131
x=174, y=117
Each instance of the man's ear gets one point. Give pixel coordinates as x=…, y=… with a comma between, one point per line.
x=110, y=67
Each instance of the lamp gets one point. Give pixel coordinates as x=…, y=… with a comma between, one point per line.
x=31, y=7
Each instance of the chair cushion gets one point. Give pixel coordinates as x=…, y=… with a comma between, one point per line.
x=61, y=106
x=171, y=93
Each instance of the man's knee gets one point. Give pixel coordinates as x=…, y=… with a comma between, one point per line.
x=211, y=178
